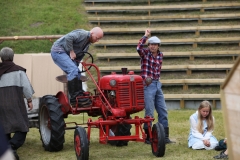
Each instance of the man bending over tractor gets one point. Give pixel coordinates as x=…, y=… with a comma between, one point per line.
x=65, y=50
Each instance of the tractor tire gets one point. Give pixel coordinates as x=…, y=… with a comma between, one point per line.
x=81, y=144
x=51, y=124
x=121, y=130
x=158, y=140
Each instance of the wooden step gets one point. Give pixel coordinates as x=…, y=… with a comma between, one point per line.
x=174, y=68
x=190, y=54
x=118, y=1
x=150, y=8
x=149, y=19
x=196, y=29
x=191, y=96
x=186, y=82
x=193, y=41
x=192, y=81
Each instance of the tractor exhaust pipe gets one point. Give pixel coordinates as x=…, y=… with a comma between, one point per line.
x=124, y=71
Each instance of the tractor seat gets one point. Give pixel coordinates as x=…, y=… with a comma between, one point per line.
x=63, y=78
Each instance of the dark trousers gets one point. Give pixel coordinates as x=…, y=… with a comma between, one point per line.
x=17, y=139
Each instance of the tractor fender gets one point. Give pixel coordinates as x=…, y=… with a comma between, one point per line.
x=63, y=100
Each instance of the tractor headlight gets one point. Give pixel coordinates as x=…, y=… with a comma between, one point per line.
x=113, y=82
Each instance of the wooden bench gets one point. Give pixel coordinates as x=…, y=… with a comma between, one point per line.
x=149, y=19
x=196, y=29
x=115, y=1
x=186, y=82
x=201, y=7
x=175, y=68
x=87, y=1
x=193, y=41
x=184, y=97
x=190, y=54
x=124, y=1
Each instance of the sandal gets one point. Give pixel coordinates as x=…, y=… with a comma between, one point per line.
x=222, y=155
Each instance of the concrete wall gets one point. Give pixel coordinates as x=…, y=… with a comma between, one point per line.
x=189, y=104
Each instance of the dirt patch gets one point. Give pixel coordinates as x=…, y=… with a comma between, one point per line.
x=37, y=24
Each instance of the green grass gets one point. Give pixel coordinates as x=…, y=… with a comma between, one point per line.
x=179, y=129
x=39, y=17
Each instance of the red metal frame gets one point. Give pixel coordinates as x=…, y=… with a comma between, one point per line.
x=101, y=108
x=104, y=127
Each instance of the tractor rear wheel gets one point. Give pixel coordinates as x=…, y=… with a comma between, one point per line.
x=51, y=124
x=81, y=144
x=158, y=140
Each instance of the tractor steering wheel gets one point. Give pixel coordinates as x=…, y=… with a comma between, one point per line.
x=85, y=57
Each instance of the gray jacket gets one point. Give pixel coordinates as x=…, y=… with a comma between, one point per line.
x=13, y=112
x=77, y=40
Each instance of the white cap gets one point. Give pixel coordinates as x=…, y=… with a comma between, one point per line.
x=154, y=39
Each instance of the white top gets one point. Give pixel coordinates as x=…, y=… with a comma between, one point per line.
x=196, y=133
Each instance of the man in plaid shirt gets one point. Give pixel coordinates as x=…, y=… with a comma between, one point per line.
x=151, y=63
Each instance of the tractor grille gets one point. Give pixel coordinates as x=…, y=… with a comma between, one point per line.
x=124, y=94
x=130, y=94
x=139, y=94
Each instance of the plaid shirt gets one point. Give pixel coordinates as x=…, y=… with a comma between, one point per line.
x=150, y=66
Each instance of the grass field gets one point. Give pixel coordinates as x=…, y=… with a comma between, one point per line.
x=39, y=17
x=179, y=129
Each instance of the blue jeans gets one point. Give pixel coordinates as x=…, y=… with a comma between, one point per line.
x=69, y=66
x=153, y=97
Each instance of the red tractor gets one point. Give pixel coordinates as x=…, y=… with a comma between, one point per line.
x=115, y=98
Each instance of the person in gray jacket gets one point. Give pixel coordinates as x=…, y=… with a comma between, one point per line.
x=14, y=86
x=65, y=50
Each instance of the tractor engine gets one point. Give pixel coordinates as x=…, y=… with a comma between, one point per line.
x=124, y=91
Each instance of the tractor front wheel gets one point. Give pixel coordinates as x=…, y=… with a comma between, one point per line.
x=81, y=144
x=51, y=124
x=158, y=140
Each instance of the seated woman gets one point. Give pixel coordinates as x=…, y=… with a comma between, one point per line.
x=202, y=125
